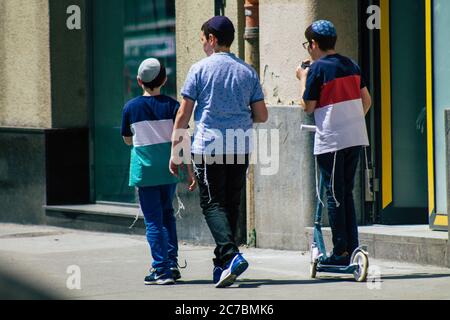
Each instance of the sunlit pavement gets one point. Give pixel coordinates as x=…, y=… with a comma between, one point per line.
x=72, y=264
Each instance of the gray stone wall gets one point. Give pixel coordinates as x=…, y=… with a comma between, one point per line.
x=283, y=25
x=22, y=176
x=25, y=99
x=69, y=68
x=43, y=85
x=285, y=201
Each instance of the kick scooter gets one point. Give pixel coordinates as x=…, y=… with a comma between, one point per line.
x=359, y=262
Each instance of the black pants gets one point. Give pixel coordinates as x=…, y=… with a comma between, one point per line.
x=220, y=187
x=342, y=217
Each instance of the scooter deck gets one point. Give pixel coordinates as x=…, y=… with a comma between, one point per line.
x=337, y=269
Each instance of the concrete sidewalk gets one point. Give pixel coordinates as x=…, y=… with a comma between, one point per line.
x=113, y=266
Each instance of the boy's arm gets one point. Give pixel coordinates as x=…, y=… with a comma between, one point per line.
x=366, y=99
x=307, y=105
x=184, y=114
x=192, y=182
x=310, y=105
x=128, y=141
x=179, y=134
x=259, y=112
x=126, y=131
x=257, y=104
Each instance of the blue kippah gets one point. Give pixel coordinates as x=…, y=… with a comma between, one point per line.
x=324, y=28
x=221, y=24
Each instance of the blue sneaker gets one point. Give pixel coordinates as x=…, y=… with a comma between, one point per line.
x=234, y=269
x=159, y=278
x=217, y=272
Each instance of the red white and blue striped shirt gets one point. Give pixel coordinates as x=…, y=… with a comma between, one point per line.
x=335, y=82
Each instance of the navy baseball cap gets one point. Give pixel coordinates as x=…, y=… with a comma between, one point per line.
x=221, y=24
x=324, y=28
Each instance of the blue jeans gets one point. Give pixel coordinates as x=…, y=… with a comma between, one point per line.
x=341, y=206
x=156, y=205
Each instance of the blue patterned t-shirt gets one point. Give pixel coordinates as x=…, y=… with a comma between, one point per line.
x=224, y=87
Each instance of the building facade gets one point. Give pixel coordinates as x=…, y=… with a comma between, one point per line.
x=63, y=90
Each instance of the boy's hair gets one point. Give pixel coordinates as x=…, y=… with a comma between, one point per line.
x=225, y=38
x=325, y=42
x=158, y=81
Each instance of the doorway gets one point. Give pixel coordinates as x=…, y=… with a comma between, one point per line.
x=393, y=59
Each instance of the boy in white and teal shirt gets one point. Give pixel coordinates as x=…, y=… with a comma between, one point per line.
x=147, y=125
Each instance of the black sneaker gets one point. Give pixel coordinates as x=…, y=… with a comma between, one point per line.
x=176, y=274
x=159, y=278
x=335, y=260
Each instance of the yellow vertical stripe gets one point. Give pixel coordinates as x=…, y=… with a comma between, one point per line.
x=386, y=117
x=430, y=133
x=441, y=221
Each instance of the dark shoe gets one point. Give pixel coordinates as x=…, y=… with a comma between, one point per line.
x=234, y=269
x=175, y=269
x=217, y=272
x=176, y=274
x=335, y=260
x=160, y=278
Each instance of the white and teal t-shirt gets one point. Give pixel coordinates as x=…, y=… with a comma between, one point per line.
x=150, y=120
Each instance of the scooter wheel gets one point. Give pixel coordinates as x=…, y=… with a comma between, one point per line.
x=362, y=261
x=313, y=270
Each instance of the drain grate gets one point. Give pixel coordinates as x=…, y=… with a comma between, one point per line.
x=32, y=235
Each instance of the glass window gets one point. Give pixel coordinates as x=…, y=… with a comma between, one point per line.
x=125, y=32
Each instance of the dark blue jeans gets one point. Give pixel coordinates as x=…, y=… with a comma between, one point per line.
x=156, y=204
x=221, y=186
x=341, y=206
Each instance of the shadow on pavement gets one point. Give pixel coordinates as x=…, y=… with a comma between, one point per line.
x=193, y=282
x=416, y=276
x=12, y=288
x=254, y=283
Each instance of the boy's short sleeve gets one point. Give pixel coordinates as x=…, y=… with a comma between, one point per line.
x=257, y=94
x=190, y=85
x=313, y=85
x=126, y=123
x=176, y=107
x=363, y=81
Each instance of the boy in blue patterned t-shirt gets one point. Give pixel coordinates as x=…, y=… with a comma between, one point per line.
x=147, y=125
x=229, y=99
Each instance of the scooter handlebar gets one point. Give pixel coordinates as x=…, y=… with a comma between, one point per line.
x=308, y=128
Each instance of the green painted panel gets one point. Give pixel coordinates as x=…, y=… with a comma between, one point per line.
x=125, y=32
x=408, y=101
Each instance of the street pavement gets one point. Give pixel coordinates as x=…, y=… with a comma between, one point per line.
x=73, y=264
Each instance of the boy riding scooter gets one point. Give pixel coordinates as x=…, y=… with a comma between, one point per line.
x=333, y=89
